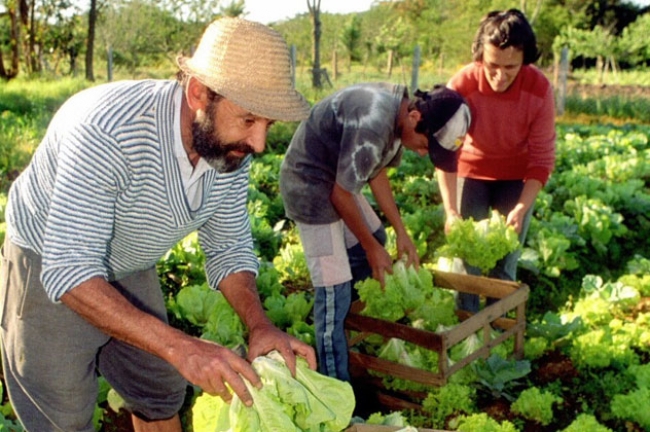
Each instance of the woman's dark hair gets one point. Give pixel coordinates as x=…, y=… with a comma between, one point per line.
x=505, y=29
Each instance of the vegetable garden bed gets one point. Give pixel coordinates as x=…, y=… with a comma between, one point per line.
x=367, y=368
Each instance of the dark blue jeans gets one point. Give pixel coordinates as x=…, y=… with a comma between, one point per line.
x=331, y=306
x=477, y=199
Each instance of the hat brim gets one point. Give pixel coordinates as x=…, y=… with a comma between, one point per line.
x=283, y=104
x=443, y=159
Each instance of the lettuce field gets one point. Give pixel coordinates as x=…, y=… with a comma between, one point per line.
x=586, y=261
x=586, y=365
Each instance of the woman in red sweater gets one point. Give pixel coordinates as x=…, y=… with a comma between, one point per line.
x=509, y=151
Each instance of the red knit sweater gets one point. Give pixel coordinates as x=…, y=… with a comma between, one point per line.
x=512, y=136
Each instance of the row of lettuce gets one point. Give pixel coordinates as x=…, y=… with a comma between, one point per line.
x=585, y=259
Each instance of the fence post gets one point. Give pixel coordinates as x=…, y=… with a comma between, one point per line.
x=109, y=65
x=416, y=68
x=292, y=53
x=562, y=81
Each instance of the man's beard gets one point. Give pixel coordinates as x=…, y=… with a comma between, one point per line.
x=208, y=144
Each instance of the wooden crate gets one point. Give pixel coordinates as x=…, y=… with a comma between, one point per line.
x=512, y=297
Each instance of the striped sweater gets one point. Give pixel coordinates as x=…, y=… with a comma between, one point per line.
x=103, y=194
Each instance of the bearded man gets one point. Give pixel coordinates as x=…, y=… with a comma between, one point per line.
x=124, y=172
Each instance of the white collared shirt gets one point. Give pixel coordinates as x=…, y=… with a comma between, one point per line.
x=191, y=176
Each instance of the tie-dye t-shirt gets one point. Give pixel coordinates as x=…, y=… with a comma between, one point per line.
x=349, y=137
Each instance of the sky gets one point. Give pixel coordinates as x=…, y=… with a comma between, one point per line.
x=267, y=11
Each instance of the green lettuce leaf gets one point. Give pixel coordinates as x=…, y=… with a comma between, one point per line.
x=310, y=402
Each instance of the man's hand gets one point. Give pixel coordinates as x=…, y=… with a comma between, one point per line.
x=241, y=292
x=219, y=371
x=405, y=246
x=383, y=193
x=380, y=262
x=266, y=338
x=216, y=370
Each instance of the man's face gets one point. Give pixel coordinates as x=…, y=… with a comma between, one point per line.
x=412, y=140
x=417, y=142
x=501, y=66
x=224, y=134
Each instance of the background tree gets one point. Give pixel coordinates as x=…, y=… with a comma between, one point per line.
x=10, y=39
x=90, y=41
x=634, y=44
x=391, y=40
x=597, y=44
x=38, y=35
x=56, y=33
x=197, y=12
x=234, y=9
x=126, y=29
x=351, y=38
x=28, y=31
x=63, y=40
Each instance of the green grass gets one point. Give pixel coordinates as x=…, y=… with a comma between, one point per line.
x=35, y=97
x=359, y=74
x=26, y=107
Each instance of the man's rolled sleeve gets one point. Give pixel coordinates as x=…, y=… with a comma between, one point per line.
x=81, y=214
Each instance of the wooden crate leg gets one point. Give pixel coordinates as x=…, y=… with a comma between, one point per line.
x=519, y=335
x=443, y=364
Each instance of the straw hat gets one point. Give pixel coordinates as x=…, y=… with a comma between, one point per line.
x=248, y=63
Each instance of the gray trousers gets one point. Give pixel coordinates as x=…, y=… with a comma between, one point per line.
x=51, y=356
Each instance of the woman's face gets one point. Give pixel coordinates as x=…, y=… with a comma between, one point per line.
x=501, y=66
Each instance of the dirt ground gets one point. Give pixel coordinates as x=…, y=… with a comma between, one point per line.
x=603, y=91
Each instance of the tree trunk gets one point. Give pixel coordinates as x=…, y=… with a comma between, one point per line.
x=23, y=9
x=600, y=67
x=614, y=65
x=314, y=12
x=10, y=72
x=35, y=63
x=24, y=13
x=90, y=43
x=3, y=71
